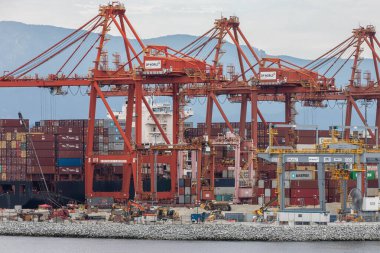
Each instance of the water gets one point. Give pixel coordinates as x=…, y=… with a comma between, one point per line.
x=58, y=245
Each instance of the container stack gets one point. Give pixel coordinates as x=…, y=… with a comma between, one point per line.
x=116, y=142
x=12, y=149
x=187, y=191
x=68, y=138
x=41, y=156
x=70, y=151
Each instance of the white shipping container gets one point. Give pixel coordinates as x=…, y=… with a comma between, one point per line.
x=267, y=192
x=370, y=204
x=231, y=174
x=287, y=184
x=187, y=190
x=274, y=183
x=303, y=217
x=261, y=183
x=225, y=174
x=261, y=201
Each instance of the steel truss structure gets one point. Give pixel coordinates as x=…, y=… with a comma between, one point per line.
x=193, y=71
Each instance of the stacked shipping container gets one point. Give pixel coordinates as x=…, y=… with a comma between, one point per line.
x=13, y=149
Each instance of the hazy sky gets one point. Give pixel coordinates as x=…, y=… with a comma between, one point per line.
x=301, y=28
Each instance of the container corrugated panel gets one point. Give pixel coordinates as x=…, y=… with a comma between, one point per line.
x=69, y=162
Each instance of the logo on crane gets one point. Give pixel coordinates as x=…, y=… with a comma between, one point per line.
x=272, y=75
x=156, y=64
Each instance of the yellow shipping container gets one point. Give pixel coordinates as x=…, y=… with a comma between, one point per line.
x=23, y=153
x=3, y=176
x=18, y=136
x=13, y=144
x=8, y=136
x=3, y=144
x=23, y=137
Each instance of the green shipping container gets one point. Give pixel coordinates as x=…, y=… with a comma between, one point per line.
x=219, y=197
x=370, y=175
x=228, y=197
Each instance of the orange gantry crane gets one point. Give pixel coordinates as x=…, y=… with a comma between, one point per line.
x=193, y=71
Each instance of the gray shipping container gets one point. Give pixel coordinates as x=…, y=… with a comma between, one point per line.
x=181, y=199
x=187, y=190
x=239, y=217
x=187, y=199
x=224, y=190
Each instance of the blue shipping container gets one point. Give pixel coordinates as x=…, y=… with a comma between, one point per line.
x=224, y=182
x=69, y=162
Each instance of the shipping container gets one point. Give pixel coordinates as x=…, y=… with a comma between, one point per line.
x=69, y=162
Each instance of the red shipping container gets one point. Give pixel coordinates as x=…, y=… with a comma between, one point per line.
x=70, y=154
x=13, y=123
x=303, y=193
x=12, y=130
x=70, y=146
x=41, y=137
x=43, y=161
x=41, y=145
x=373, y=183
x=41, y=153
x=70, y=138
x=260, y=191
x=69, y=130
x=37, y=170
x=304, y=184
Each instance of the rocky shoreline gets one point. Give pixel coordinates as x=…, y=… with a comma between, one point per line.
x=209, y=232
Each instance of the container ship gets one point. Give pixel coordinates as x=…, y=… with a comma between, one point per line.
x=45, y=162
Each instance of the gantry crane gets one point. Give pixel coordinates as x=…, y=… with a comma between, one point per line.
x=193, y=71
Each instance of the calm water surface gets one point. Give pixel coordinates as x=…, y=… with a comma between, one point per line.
x=49, y=245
